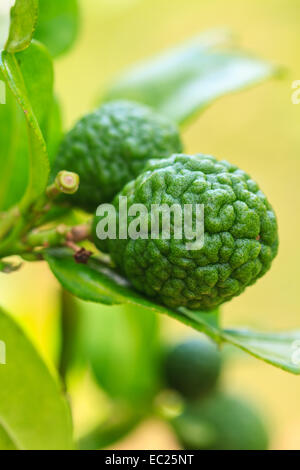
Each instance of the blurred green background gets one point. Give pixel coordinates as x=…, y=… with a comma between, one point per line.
x=258, y=130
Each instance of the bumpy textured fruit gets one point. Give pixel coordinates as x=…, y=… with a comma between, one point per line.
x=110, y=147
x=240, y=239
x=192, y=368
x=221, y=422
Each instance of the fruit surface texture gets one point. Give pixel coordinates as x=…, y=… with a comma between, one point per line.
x=240, y=233
x=193, y=367
x=110, y=147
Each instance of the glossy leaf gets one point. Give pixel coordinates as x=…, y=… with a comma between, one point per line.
x=24, y=16
x=16, y=82
x=82, y=280
x=36, y=66
x=186, y=79
x=279, y=349
x=58, y=24
x=94, y=281
x=13, y=151
x=98, y=283
x=33, y=411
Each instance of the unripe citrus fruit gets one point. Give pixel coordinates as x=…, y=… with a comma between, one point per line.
x=193, y=367
x=221, y=422
x=110, y=147
x=240, y=233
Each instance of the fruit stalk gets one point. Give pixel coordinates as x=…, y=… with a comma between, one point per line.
x=58, y=236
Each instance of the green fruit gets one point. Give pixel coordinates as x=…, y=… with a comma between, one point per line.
x=192, y=368
x=221, y=422
x=110, y=147
x=240, y=239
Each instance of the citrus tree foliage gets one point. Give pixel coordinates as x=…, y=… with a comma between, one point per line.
x=36, y=224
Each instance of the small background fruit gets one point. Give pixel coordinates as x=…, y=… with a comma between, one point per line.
x=193, y=367
x=221, y=422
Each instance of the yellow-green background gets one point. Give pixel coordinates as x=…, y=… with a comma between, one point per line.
x=257, y=130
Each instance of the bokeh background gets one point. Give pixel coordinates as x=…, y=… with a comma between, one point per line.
x=256, y=129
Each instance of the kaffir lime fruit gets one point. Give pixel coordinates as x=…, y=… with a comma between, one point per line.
x=110, y=147
x=240, y=233
x=221, y=422
x=193, y=367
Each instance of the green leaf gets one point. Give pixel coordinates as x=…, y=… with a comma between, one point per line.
x=54, y=132
x=114, y=343
x=96, y=282
x=186, y=79
x=34, y=414
x=23, y=19
x=99, y=283
x=5, y=441
x=36, y=66
x=279, y=349
x=16, y=82
x=13, y=151
x=58, y=24
x=37, y=70
x=82, y=280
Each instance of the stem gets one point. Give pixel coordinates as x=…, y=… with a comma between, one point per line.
x=16, y=222
x=61, y=235
x=47, y=238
